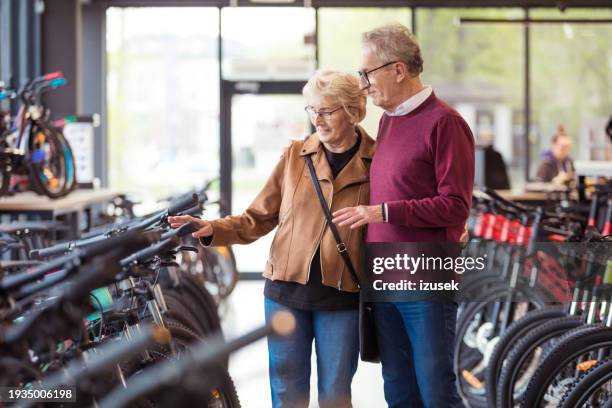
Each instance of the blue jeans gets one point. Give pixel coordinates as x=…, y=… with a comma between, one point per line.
x=336, y=336
x=416, y=341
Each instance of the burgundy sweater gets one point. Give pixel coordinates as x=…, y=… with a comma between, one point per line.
x=424, y=170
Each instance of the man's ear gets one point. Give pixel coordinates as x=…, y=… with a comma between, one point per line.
x=401, y=71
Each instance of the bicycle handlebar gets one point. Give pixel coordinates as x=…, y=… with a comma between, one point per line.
x=52, y=75
x=57, y=82
x=528, y=209
x=178, y=206
x=148, y=253
x=183, y=204
x=182, y=231
x=99, y=271
x=49, y=280
x=65, y=247
x=80, y=255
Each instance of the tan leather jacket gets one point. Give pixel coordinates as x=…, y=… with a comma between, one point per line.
x=289, y=200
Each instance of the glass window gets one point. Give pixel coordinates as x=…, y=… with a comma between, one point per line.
x=478, y=69
x=163, y=99
x=571, y=83
x=262, y=126
x=268, y=43
x=340, y=38
x=4, y=48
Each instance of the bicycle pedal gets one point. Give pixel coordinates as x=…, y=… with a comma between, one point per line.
x=472, y=380
x=586, y=365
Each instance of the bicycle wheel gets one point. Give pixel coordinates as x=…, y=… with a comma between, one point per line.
x=516, y=331
x=218, y=391
x=177, y=310
x=220, y=269
x=525, y=356
x=71, y=180
x=210, y=388
x=558, y=369
x=47, y=163
x=200, y=296
x=475, y=338
x=593, y=387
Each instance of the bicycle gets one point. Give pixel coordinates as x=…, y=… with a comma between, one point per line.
x=133, y=285
x=32, y=146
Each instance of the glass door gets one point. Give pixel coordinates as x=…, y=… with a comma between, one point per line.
x=262, y=126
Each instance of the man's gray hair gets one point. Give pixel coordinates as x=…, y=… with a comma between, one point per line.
x=395, y=42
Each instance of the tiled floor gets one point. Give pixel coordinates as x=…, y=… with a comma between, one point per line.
x=249, y=367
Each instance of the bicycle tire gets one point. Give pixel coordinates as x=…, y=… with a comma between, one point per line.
x=203, y=301
x=195, y=393
x=177, y=310
x=200, y=296
x=227, y=266
x=71, y=180
x=584, y=386
x=505, y=395
x=588, y=338
x=181, y=333
x=517, y=330
x=40, y=178
x=473, y=394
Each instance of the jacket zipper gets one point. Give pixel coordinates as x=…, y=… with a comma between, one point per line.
x=348, y=240
x=319, y=242
x=315, y=251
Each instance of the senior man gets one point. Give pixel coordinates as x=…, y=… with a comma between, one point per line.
x=421, y=182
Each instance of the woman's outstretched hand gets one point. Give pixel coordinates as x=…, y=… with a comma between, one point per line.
x=205, y=227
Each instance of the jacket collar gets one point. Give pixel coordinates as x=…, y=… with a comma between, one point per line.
x=312, y=144
x=355, y=171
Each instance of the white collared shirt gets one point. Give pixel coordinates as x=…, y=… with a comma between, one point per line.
x=412, y=103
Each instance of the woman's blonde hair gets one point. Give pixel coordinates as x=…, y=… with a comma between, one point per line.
x=339, y=87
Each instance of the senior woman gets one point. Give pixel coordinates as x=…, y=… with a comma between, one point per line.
x=305, y=273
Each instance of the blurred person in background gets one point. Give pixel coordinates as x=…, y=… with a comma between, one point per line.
x=556, y=165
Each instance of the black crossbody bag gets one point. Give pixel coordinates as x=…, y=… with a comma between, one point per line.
x=368, y=344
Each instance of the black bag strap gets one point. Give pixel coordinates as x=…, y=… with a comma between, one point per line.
x=340, y=246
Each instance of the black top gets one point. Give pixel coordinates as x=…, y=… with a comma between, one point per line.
x=550, y=167
x=314, y=295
